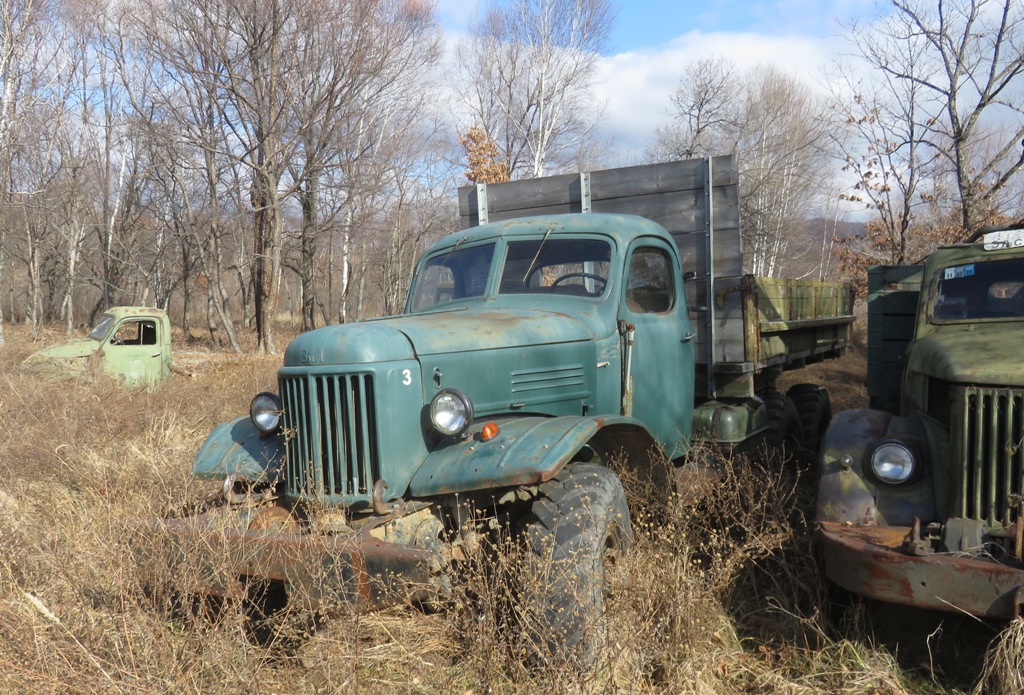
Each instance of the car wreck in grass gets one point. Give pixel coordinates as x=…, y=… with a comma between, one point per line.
x=921, y=497
x=129, y=343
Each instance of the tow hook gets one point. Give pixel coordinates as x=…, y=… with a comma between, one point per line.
x=914, y=544
x=379, y=505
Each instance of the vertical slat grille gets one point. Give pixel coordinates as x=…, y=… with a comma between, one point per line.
x=991, y=453
x=330, y=426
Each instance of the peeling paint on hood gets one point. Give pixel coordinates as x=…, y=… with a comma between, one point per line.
x=961, y=354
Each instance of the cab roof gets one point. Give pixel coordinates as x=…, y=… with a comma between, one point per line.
x=119, y=312
x=621, y=228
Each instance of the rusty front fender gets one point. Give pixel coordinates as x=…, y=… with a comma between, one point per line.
x=238, y=448
x=848, y=493
x=528, y=450
x=870, y=561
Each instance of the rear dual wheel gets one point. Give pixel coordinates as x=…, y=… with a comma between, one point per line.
x=797, y=422
x=814, y=408
x=785, y=438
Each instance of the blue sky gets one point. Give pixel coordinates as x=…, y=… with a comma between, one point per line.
x=645, y=24
x=653, y=41
x=652, y=23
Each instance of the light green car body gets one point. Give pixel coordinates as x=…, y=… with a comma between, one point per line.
x=129, y=343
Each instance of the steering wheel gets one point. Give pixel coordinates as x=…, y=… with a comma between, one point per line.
x=591, y=276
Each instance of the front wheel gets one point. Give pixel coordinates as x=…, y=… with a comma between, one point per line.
x=576, y=531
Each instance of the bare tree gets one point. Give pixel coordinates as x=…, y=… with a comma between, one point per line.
x=22, y=56
x=368, y=78
x=786, y=166
x=706, y=110
x=527, y=74
x=777, y=126
x=883, y=146
x=176, y=52
x=964, y=60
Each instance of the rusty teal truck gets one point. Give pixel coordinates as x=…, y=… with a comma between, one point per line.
x=921, y=496
x=552, y=337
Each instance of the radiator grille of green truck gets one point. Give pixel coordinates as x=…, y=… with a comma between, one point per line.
x=992, y=452
x=330, y=423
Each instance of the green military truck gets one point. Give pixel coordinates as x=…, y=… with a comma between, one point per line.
x=920, y=496
x=560, y=332
x=130, y=343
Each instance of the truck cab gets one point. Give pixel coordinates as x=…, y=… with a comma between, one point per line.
x=920, y=497
x=598, y=301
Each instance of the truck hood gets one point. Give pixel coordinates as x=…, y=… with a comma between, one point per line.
x=463, y=330
x=79, y=347
x=485, y=328
x=972, y=353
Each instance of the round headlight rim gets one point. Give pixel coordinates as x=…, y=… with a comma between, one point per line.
x=915, y=462
x=467, y=406
x=275, y=409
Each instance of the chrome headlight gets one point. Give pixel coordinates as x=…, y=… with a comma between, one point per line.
x=893, y=462
x=265, y=412
x=451, y=412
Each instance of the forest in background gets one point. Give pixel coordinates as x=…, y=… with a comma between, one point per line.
x=234, y=160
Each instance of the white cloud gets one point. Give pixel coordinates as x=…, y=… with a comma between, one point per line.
x=636, y=86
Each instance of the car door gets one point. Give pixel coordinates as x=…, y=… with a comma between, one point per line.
x=133, y=352
x=661, y=359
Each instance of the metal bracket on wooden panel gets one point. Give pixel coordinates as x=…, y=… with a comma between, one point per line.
x=585, y=205
x=481, y=203
x=709, y=317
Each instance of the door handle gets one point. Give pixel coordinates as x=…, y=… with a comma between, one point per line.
x=688, y=337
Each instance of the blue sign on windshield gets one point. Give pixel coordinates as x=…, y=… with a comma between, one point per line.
x=959, y=271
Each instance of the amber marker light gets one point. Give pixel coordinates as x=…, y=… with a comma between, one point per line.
x=490, y=431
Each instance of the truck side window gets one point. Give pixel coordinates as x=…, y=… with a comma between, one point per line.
x=649, y=285
x=135, y=333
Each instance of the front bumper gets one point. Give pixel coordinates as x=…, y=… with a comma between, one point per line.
x=216, y=553
x=870, y=561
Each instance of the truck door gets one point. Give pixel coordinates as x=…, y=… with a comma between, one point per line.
x=661, y=360
x=133, y=352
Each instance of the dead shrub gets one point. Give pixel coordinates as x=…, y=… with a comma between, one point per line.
x=1003, y=672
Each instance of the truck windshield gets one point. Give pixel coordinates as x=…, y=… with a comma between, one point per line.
x=102, y=327
x=576, y=267
x=980, y=290
x=456, y=273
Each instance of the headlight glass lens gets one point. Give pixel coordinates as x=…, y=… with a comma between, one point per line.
x=451, y=412
x=893, y=462
x=265, y=412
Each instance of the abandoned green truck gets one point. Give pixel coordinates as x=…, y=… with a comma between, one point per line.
x=921, y=497
x=534, y=351
x=129, y=343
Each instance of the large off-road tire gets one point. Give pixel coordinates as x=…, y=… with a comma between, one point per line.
x=785, y=439
x=576, y=530
x=815, y=412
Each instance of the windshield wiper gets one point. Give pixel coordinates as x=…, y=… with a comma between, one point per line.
x=540, y=248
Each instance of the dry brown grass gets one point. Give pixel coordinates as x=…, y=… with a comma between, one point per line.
x=719, y=598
